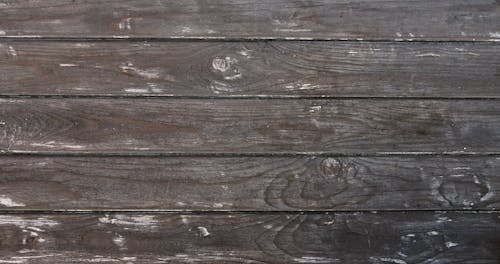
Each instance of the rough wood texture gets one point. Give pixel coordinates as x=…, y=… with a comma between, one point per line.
x=248, y=126
x=323, y=19
x=319, y=68
x=423, y=237
x=377, y=183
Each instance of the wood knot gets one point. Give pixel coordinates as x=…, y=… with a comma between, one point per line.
x=225, y=66
x=464, y=188
x=334, y=168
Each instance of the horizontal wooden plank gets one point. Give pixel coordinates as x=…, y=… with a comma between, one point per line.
x=363, y=183
x=316, y=68
x=249, y=126
x=323, y=19
x=424, y=237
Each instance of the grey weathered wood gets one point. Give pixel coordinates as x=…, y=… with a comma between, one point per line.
x=249, y=126
x=420, y=237
x=334, y=69
x=323, y=19
x=168, y=183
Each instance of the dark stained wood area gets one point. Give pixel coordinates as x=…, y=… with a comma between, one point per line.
x=250, y=131
x=251, y=183
x=223, y=69
x=411, y=237
x=249, y=126
x=262, y=19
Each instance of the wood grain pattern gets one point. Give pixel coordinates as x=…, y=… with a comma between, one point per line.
x=318, y=68
x=323, y=19
x=323, y=183
x=424, y=237
x=248, y=126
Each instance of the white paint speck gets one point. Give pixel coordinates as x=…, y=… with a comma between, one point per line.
x=22, y=222
x=125, y=24
x=186, y=30
x=329, y=222
x=245, y=53
x=315, y=109
x=233, y=77
x=139, y=222
x=312, y=259
x=428, y=55
x=450, y=244
x=53, y=144
x=136, y=90
x=393, y=260
x=119, y=241
x=218, y=87
x=203, y=231
x=2, y=33
x=148, y=73
x=12, y=51
x=8, y=202
x=68, y=65
x=432, y=233
x=12, y=261
x=495, y=34
x=293, y=29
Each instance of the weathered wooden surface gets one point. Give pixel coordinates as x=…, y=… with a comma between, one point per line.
x=420, y=237
x=319, y=68
x=248, y=126
x=273, y=122
x=319, y=19
x=323, y=183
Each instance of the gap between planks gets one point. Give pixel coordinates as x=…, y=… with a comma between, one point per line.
x=240, y=212
x=249, y=154
x=247, y=97
x=229, y=39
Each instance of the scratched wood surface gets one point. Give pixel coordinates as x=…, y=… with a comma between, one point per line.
x=221, y=69
x=411, y=237
x=252, y=183
x=319, y=19
x=248, y=126
x=243, y=131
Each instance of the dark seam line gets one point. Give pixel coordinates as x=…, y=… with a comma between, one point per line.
x=238, y=39
x=246, y=155
x=248, y=97
x=247, y=212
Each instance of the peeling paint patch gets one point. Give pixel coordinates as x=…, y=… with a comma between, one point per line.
x=22, y=222
x=148, y=73
x=203, y=231
x=311, y=259
x=136, y=222
x=125, y=24
x=494, y=34
x=12, y=51
x=136, y=90
x=450, y=244
x=8, y=202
